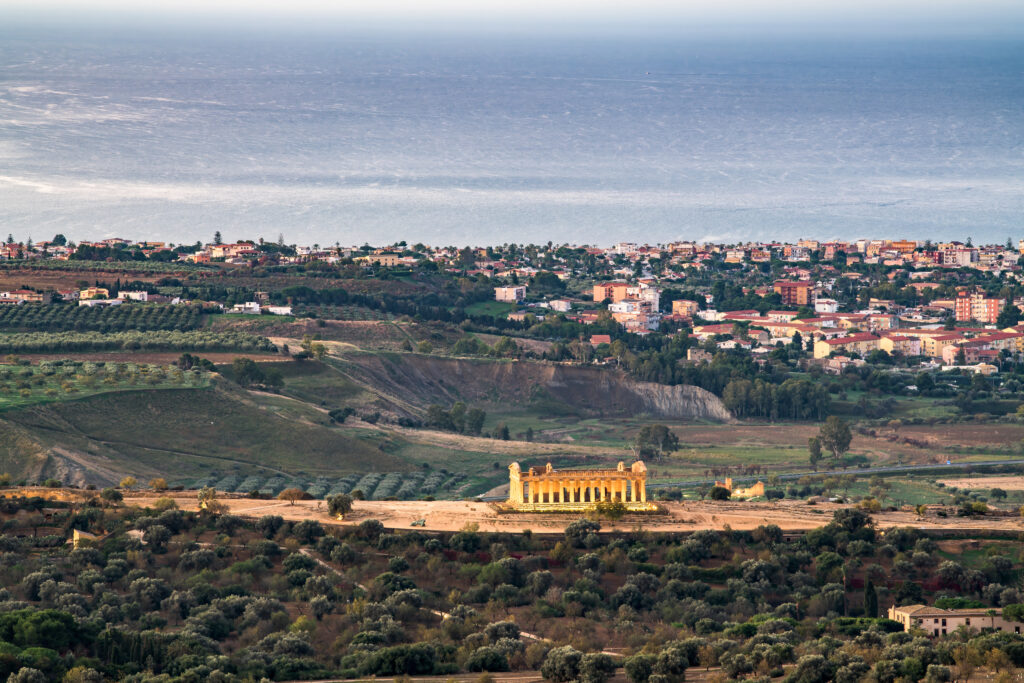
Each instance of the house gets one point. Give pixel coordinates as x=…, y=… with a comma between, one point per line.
x=697, y=355
x=386, y=260
x=598, y=339
x=560, y=305
x=512, y=295
x=825, y=305
x=936, y=621
x=94, y=293
x=278, y=310
x=249, y=307
x=28, y=296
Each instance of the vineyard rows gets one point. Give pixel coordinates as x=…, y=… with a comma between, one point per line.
x=374, y=485
x=194, y=340
x=67, y=318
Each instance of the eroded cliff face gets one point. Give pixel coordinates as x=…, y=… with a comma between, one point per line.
x=407, y=383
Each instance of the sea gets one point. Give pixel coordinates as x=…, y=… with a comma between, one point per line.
x=354, y=137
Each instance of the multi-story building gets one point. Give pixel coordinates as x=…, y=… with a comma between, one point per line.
x=901, y=344
x=685, y=307
x=975, y=306
x=959, y=256
x=903, y=246
x=862, y=344
x=794, y=292
x=512, y=295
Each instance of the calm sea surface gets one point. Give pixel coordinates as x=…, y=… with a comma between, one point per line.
x=488, y=141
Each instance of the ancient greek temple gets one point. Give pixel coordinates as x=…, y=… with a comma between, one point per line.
x=570, y=490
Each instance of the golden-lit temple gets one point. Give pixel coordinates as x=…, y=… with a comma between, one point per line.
x=570, y=490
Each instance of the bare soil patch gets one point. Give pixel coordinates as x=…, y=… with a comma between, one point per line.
x=68, y=279
x=966, y=434
x=1013, y=483
x=677, y=517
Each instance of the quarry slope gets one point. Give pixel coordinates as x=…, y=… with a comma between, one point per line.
x=407, y=383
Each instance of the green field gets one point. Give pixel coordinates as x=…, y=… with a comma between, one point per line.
x=491, y=308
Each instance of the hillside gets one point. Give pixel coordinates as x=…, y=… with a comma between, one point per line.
x=407, y=383
x=181, y=433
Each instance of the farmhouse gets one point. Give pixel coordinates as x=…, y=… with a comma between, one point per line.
x=936, y=621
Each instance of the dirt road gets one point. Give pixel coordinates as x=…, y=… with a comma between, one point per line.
x=689, y=516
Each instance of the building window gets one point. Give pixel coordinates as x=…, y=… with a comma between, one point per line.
x=967, y=621
x=943, y=622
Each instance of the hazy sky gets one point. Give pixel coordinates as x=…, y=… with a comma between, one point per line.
x=885, y=16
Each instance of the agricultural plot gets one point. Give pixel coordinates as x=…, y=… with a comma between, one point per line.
x=62, y=380
x=134, y=340
x=353, y=313
x=375, y=485
x=67, y=317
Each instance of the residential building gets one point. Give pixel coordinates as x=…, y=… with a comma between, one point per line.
x=685, y=307
x=822, y=305
x=905, y=346
x=510, y=295
x=560, y=305
x=975, y=306
x=862, y=344
x=94, y=292
x=794, y=292
x=939, y=622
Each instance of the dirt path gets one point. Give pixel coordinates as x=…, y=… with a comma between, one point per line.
x=689, y=516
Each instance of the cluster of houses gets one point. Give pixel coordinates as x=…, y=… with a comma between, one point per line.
x=809, y=314
x=101, y=297
x=808, y=275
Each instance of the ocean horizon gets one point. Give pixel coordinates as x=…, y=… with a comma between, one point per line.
x=375, y=138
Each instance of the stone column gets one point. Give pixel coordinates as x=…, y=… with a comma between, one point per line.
x=600, y=491
x=643, y=491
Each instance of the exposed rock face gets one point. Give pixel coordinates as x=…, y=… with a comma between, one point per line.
x=408, y=383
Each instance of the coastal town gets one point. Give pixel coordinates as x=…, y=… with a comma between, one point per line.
x=932, y=305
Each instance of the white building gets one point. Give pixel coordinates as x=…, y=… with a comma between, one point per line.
x=826, y=305
x=250, y=307
x=512, y=295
